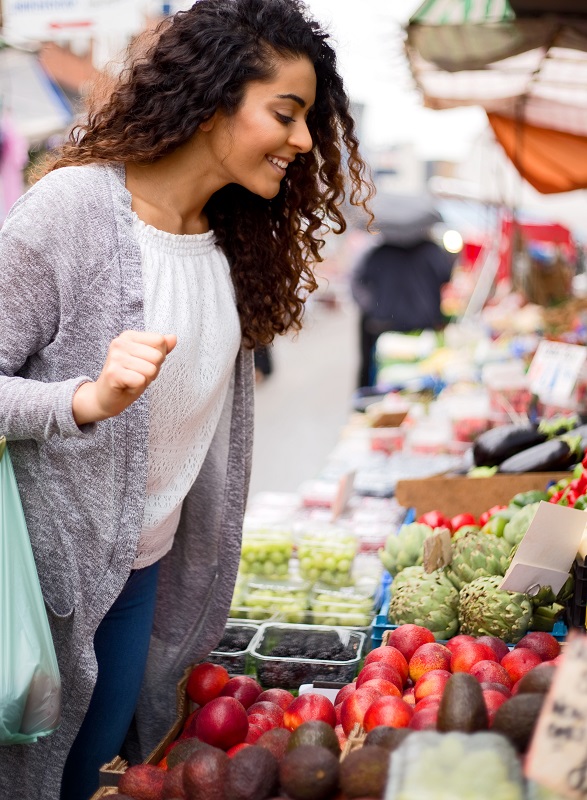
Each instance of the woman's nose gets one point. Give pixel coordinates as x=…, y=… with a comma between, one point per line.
x=301, y=138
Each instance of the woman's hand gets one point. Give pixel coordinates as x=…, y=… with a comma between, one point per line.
x=133, y=362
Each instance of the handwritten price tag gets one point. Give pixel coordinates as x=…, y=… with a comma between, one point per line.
x=558, y=753
x=437, y=551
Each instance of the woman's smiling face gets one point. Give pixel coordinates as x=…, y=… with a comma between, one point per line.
x=254, y=146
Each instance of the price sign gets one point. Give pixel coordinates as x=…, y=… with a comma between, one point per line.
x=555, y=369
x=343, y=494
x=437, y=551
x=558, y=753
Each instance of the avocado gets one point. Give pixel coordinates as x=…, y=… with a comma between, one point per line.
x=386, y=736
x=309, y=772
x=517, y=717
x=462, y=707
x=183, y=749
x=537, y=681
x=315, y=732
x=363, y=773
x=252, y=775
x=205, y=773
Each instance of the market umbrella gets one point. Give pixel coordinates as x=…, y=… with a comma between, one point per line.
x=524, y=61
x=404, y=219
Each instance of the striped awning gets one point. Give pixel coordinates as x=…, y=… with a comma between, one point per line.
x=478, y=52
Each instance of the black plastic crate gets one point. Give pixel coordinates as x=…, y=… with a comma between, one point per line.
x=578, y=605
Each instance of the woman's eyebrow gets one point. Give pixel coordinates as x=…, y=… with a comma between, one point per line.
x=294, y=97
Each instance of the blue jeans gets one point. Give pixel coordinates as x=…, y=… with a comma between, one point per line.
x=121, y=644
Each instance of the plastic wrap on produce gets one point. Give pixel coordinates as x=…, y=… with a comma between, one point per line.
x=445, y=766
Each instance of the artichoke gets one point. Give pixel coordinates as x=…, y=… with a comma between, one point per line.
x=476, y=555
x=426, y=599
x=405, y=549
x=486, y=610
x=515, y=529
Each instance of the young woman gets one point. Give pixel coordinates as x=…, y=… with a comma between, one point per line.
x=174, y=232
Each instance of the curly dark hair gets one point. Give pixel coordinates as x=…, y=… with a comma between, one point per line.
x=200, y=61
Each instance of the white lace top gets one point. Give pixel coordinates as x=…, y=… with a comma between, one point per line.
x=187, y=291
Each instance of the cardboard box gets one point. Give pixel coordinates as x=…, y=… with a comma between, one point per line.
x=455, y=494
x=110, y=773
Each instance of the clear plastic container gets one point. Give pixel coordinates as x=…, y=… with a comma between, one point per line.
x=231, y=652
x=327, y=555
x=286, y=599
x=286, y=656
x=266, y=552
x=444, y=766
x=347, y=606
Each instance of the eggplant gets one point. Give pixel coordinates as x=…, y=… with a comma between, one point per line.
x=555, y=454
x=494, y=446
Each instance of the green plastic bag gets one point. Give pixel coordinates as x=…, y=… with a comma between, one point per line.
x=30, y=687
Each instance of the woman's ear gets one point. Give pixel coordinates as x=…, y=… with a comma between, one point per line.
x=208, y=124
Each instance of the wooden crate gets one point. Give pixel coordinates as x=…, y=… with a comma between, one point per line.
x=110, y=773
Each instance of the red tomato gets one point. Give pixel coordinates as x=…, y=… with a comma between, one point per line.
x=486, y=515
x=462, y=519
x=435, y=519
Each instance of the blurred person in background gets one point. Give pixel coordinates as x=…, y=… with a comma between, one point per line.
x=397, y=282
x=176, y=230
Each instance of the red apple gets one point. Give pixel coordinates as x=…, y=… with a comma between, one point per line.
x=189, y=726
x=498, y=646
x=344, y=693
x=243, y=688
x=261, y=721
x=493, y=700
x=306, y=707
x=424, y=719
x=409, y=696
x=430, y=701
x=337, y=710
x=380, y=670
x=458, y=640
x=388, y=655
x=206, y=682
x=383, y=686
x=266, y=709
x=542, y=643
x=280, y=697
x=408, y=638
x=519, y=662
x=354, y=707
x=432, y=682
x=254, y=733
x=428, y=657
x=470, y=653
x=391, y=711
x=491, y=672
x=222, y=723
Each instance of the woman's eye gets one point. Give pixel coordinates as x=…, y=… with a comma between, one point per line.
x=283, y=118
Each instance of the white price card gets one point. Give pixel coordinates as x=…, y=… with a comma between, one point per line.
x=547, y=551
x=555, y=369
x=558, y=753
x=343, y=494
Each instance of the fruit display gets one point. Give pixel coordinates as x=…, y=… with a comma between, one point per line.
x=263, y=598
x=288, y=656
x=266, y=552
x=327, y=555
x=231, y=651
x=346, y=606
x=428, y=599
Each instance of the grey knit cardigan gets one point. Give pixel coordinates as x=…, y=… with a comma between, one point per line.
x=70, y=282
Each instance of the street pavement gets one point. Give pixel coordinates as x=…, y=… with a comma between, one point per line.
x=301, y=408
